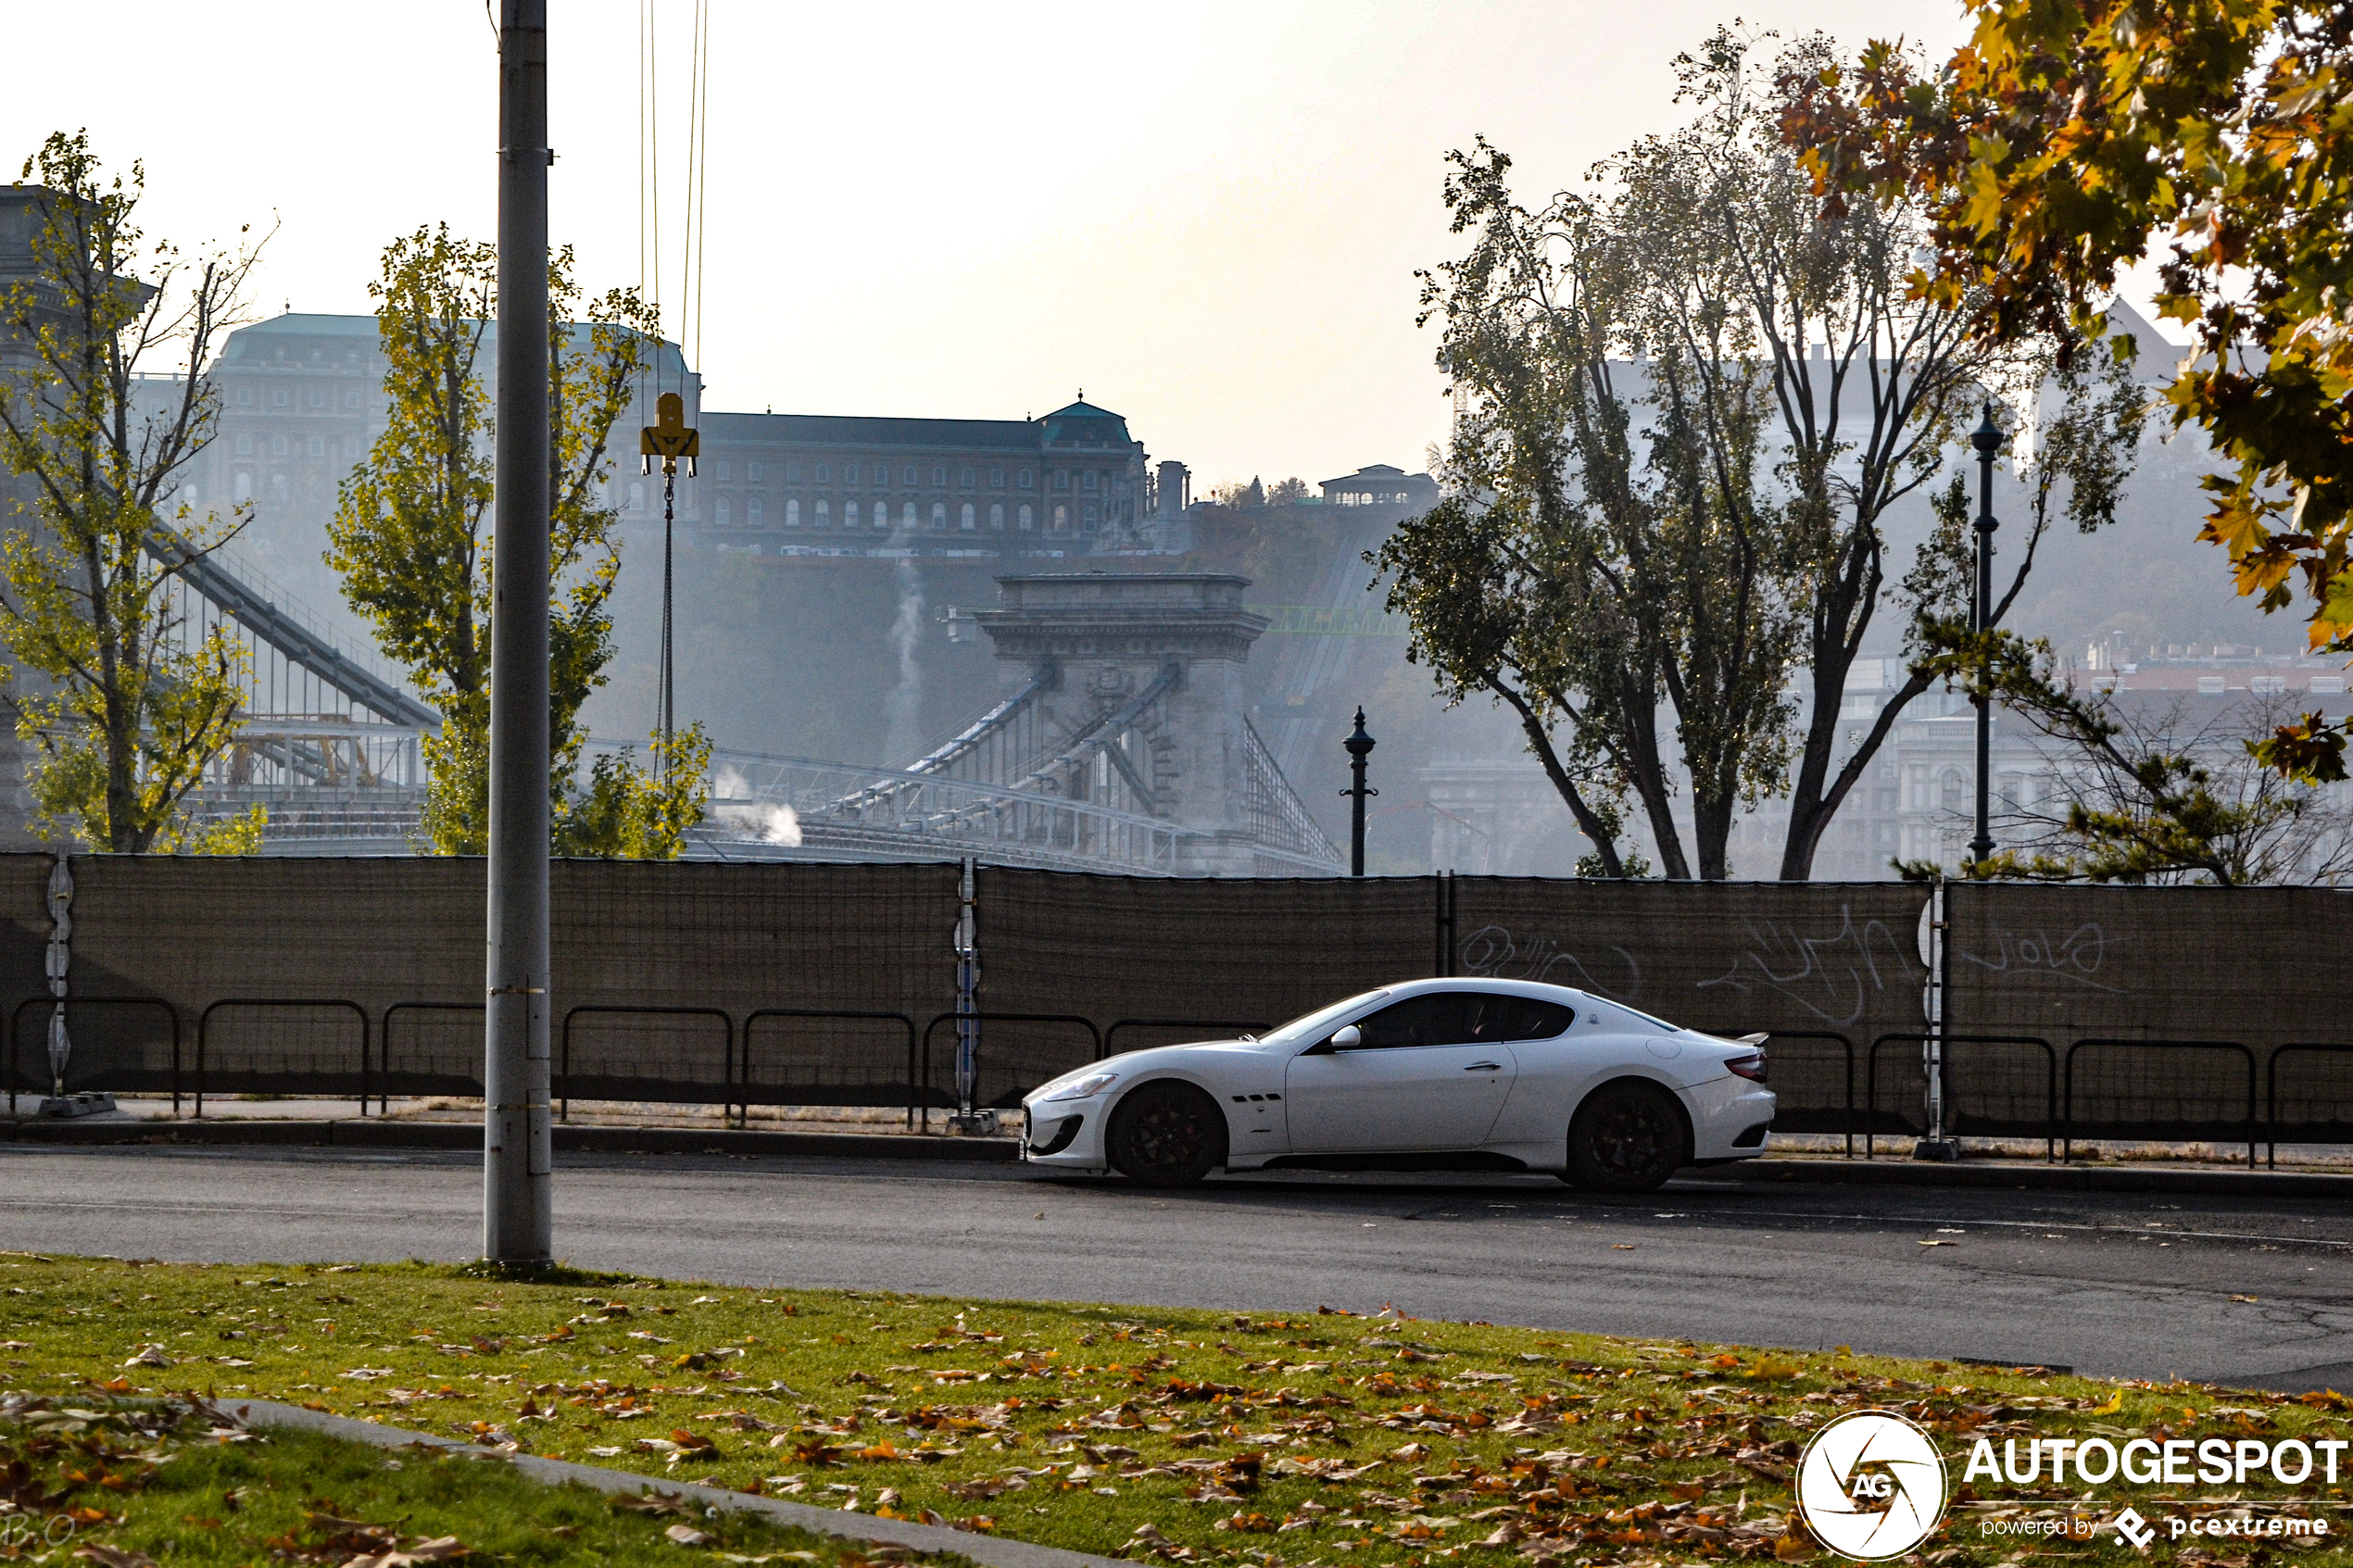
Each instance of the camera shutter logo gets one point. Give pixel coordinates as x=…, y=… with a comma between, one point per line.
x=1871, y=1485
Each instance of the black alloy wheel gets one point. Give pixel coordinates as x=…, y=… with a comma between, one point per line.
x=1626, y=1137
x=1167, y=1135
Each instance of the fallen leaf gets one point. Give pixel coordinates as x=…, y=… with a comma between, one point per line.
x=687, y=1535
x=1931, y=1243
x=1621, y=1247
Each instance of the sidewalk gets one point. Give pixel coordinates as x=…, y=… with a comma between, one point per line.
x=348, y=1130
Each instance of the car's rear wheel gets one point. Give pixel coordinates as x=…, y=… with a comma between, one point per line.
x=1626, y=1137
x=1167, y=1135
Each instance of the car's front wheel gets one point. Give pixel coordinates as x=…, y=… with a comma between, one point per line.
x=1626, y=1138
x=1167, y=1135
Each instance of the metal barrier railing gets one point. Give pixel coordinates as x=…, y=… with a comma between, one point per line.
x=204, y=1034
x=2233, y=1047
x=2051, y=1124
x=471, y=1085
x=1253, y=1025
x=914, y=1085
x=16, y=1020
x=2272, y=1095
x=922, y=1086
x=564, y=1085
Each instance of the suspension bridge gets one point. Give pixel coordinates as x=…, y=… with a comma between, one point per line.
x=1122, y=744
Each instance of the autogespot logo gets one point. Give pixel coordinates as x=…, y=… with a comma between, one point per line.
x=1870, y=1485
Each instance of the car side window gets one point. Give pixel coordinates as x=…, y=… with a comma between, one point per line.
x=1462, y=1017
x=1525, y=1017
x=1447, y=1017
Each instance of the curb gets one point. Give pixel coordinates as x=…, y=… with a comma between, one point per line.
x=2044, y=1178
x=465, y=1136
x=990, y=1551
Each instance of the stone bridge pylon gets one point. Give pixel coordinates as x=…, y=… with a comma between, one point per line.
x=1122, y=744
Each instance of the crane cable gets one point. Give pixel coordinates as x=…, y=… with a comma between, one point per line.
x=690, y=281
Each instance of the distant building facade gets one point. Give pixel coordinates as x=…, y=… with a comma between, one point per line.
x=1073, y=482
x=1378, y=484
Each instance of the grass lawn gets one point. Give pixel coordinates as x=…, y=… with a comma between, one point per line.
x=1307, y=1437
x=142, y=1484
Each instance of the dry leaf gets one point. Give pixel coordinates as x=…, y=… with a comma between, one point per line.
x=687, y=1535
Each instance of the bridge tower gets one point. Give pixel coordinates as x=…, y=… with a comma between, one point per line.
x=1158, y=657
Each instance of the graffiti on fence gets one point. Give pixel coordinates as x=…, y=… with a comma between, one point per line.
x=1492, y=952
x=2075, y=958
x=1832, y=978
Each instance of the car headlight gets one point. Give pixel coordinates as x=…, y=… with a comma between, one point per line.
x=1081, y=1088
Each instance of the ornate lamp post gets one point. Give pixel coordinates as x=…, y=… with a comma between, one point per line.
x=1987, y=439
x=1359, y=747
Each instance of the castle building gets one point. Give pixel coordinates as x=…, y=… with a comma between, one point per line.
x=1073, y=481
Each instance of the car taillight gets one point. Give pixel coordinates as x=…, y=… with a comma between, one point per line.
x=1751, y=1066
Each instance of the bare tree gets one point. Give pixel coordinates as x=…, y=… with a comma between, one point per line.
x=2150, y=792
x=125, y=700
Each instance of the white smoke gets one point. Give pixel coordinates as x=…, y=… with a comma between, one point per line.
x=731, y=802
x=904, y=706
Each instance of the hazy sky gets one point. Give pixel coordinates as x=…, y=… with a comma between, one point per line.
x=1208, y=214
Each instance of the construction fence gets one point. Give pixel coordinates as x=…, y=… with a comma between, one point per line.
x=2200, y=1014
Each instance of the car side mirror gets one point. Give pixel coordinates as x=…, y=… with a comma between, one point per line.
x=1346, y=1037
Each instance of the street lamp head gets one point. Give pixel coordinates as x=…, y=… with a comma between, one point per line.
x=1987, y=436
x=1359, y=744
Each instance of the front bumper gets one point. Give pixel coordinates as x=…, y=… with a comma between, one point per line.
x=1063, y=1131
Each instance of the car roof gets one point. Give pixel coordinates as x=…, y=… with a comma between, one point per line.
x=1534, y=988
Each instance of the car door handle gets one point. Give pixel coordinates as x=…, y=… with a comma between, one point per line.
x=1484, y=1067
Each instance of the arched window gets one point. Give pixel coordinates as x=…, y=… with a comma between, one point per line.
x=996, y=517
x=1029, y=479
x=824, y=474
x=755, y=515
x=1061, y=519
x=720, y=512
x=277, y=446
x=727, y=470
x=849, y=474
x=850, y=514
x=907, y=474
x=792, y=473
x=965, y=478
x=824, y=514
x=1061, y=479
x=907, y=512
x=792, y=514
x=965, y=520
x=1027, y=522
x=1089, y=520
x=1094, y=480
x=940, y=514
x=996, y=478
x=318, y=446
x=938, y=475
x=755, y=472
x=1952, y=790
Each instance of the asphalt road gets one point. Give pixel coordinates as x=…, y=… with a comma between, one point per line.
x=2211, y=1288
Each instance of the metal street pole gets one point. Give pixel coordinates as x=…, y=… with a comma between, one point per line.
x=517, y=1198
x=1987, y=439
x=1359, y=747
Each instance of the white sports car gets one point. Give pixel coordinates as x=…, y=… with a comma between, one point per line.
x=1465, y=1074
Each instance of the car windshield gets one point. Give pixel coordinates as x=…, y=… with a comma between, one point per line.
x=1315, y=1026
